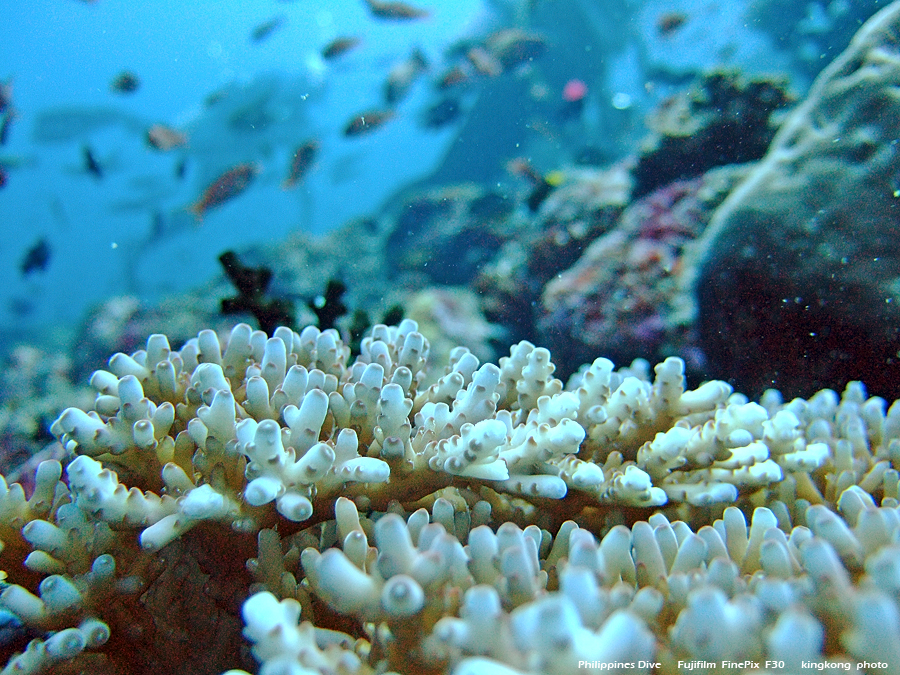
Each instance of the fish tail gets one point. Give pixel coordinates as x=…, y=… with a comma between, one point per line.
x=197, y=210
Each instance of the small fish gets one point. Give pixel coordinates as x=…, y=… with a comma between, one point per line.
x=367, y=122
x=399, y=11
x=542, y=187
x=544, y=128
x=669, y=22
x=2, y=176
x=125, y=82
x=304, y=156
x=522, y=168
x=215, y=97
x=442, y=113
x=484, y=62
x=23, y=307
x=513, y=47
x=402, y=75
x=165, y=138
x=36, y=258
x=91, y=165
x=227, y=186
x=266, y=28
x=339, y=46
x=5, y=95
x=452, y=77
x=6, y=125
x=18, y=161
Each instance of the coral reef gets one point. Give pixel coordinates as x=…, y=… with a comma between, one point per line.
x=252, y=285
x=300, y=267
x=797, y=282
x=519, y=526
x=450, y=316
x=444, y=236
x=574, y=214
x=720, y=120
x=624, y=297
x=238, y=501
x=34, y=384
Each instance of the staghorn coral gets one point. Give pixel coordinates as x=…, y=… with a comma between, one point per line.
x=518, y=525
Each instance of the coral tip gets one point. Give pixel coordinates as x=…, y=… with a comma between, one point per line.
x=574, y=90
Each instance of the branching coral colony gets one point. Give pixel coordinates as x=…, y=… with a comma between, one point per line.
x=380, y=516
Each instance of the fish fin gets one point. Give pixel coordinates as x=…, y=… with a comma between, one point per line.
x=196, y=209
x=420, y=59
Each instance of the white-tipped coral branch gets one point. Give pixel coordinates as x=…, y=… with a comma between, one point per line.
x=434, y=529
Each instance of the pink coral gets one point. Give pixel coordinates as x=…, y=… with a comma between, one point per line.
x=622, y=296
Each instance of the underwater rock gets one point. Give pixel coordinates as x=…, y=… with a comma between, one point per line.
x=721, y=120
x=623, y=297
x=446, y=236
x=798, y=283
x=583, y=208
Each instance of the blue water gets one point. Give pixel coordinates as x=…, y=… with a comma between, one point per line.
x=128, y=231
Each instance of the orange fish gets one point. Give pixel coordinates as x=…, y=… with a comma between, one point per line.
x=452, y=77
x=367, y=122
x=339, y=46
x=304, y=156
x=227, y=186
x=522, y=168
x=669, y=22
x=395, y=10
x=165, y=138
x=402, y=75
x=484, y=62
